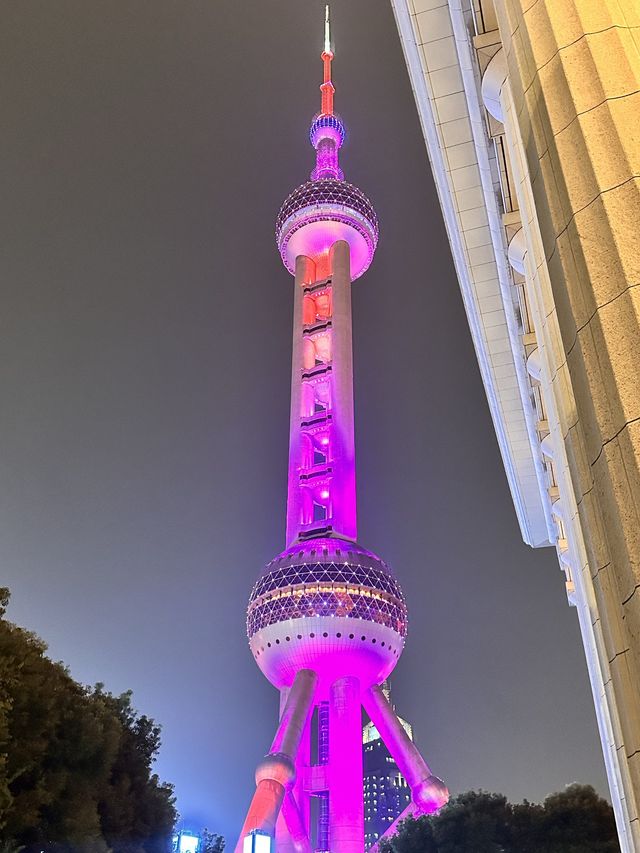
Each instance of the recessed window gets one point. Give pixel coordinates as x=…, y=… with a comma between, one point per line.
x=338, y=634
x=319, y=514
x=312, y=635
x=325, y=634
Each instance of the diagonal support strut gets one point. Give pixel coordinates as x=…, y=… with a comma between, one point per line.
x=276, y=773
x=428, y=793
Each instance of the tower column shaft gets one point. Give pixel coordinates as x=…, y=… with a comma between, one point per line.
x=346, y=805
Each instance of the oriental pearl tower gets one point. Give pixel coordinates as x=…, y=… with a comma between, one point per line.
x=327, y=619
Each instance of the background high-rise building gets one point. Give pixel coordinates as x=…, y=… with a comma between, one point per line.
x=386, y=793
x=530, y=116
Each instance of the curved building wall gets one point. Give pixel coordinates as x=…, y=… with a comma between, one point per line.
x=533, y=105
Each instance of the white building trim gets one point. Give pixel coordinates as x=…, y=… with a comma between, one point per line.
x=475, y=231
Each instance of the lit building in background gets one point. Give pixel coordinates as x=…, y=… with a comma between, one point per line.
x=386, y=793
x=327, y=619
x=186, y=842
x=257, y=842
x=530, y=116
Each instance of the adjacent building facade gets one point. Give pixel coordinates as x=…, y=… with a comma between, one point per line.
x=529, y=110
x=386, y=793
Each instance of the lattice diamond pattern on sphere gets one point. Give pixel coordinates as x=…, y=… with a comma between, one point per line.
x=325, y=192
x=327, y=589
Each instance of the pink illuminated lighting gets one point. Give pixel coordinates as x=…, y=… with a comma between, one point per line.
x=327, y=620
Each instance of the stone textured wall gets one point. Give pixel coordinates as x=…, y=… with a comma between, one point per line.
x=574, y=70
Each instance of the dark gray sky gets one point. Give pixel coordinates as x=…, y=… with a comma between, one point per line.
x=145, y=347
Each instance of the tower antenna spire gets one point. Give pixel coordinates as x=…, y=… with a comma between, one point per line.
x=327, y=88
x=327, y=30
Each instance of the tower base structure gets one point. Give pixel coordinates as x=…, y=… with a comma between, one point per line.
x=285, y=784
x=326, y=624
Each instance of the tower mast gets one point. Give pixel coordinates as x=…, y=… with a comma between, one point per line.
x=322, y=483
x=327, y=619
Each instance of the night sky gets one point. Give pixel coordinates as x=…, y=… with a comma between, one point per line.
x=145, y=357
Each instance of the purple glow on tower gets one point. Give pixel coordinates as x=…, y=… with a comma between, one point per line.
x=327, y=619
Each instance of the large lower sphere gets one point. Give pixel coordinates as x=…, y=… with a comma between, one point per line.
x=331, y=606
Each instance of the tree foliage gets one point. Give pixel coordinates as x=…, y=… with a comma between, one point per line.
x=575, y=820
x=211, y=842
x=75, y=762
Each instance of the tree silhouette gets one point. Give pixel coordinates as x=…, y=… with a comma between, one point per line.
x=75, y=762
x=575, y=820
x=211, y=842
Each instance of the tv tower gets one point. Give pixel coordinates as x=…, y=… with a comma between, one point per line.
x=327, y=619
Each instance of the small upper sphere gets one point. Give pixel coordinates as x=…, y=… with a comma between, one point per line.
x=319, y=213
x=331, y=606
x=327, y=127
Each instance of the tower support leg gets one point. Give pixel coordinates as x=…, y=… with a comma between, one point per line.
x=293, y=823
x=276, y=772
x=346, y=804
x=298, y=835
x=427, y=791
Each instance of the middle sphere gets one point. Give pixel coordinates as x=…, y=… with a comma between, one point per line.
x=318, y=214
